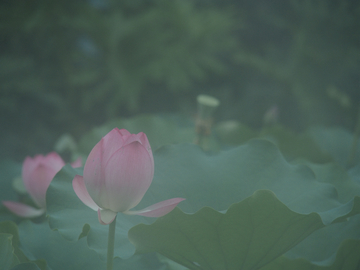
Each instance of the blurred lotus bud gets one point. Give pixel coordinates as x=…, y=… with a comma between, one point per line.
x=65, y=142
x=37, y=173
x=271, y=116
x=67, y=147
x=342, y=98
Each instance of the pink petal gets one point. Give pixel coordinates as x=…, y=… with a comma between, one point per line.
x=141, y=138
x=112, y=142
x=144, y=140
x=133, y=138
x=77, y=163
x=29, y=166
x=95, y=163
x=54, y=161
x=23, y=210
x=124, y=134
x=38, y=182
x=38, y=172
x=81, y=191
x=128, y=175
x=158, y=209
x=106, y=216
x=93, y=172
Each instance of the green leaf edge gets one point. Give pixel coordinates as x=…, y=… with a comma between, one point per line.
x=10, y=228
x=318, y=223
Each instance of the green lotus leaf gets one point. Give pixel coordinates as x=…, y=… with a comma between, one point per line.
x=322, y=246
x=215, y=181
x=249, y=235
x=337, y=142
x=347, y=258
x=7, y=257
x=39, y=241
x=26, y=266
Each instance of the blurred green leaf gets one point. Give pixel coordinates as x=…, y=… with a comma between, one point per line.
x=160, y=130
x=294, y=145
x=322, y=246
x=10, y=227
x=347, y=258
x=249, y=235
x=26, y=266
x=336, y=141
x=291, y=144
x=335, y=174
x=39, y=241
x=219, y=180
x=7, y=256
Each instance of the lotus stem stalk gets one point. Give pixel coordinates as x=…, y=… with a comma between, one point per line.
x=111, y=243
x=206, y=108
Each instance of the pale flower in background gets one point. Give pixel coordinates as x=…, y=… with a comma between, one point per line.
x=37, y=174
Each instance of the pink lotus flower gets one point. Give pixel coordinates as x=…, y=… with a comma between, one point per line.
x=117, y=174
x=37, y=173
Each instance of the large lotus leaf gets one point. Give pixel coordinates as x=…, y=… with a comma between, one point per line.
x=336, y=175
x=160, y=130
x=7, y=256
x=318, y=144
x=39, y=241
x=216, y=181
x=219, y=180
x=293, y=145
x=249, y=235
x=170, y=264
x=354, y=173
x=323, y=244
x=347, y=258
x=337, y=142
x=10, y=227
x=26, y=266
x=139, y=262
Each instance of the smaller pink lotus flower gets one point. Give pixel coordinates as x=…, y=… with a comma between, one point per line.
x=117, y=174
x=37, y=173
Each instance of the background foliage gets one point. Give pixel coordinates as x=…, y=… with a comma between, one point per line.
x=286, y=75
x=67, y=66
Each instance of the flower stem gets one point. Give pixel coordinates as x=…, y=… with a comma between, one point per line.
x=111, y=242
